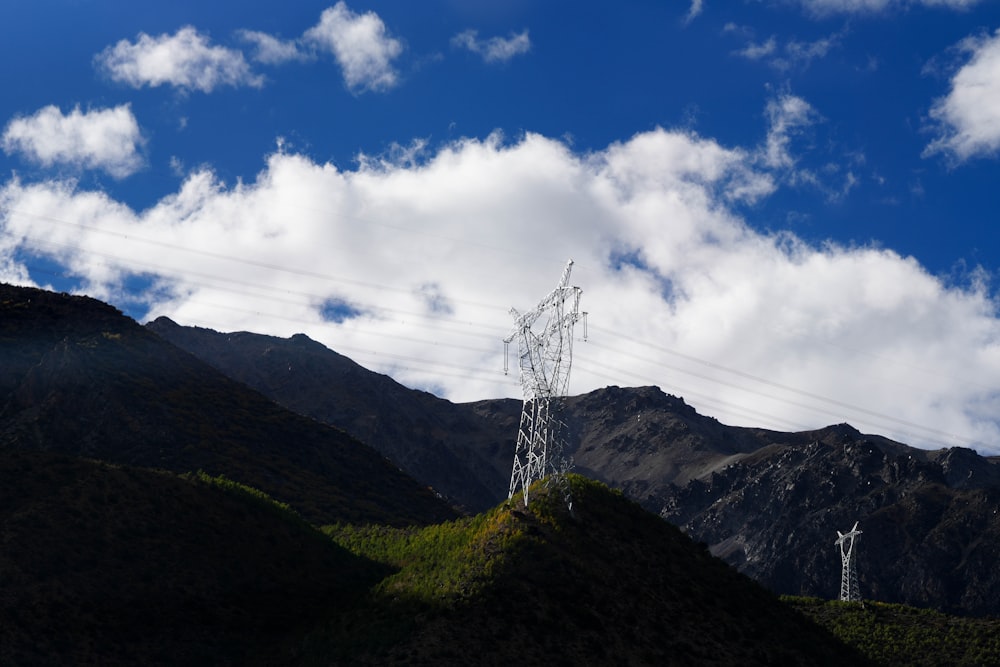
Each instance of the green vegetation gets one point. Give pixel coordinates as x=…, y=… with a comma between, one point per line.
x=250, y=493
x=893, y=634
x=433, y=572
x=607, y=583
x=439, y=563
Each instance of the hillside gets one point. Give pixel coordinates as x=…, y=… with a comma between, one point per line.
x=83, y=380
x=608, y=584
x=767, y=502
x=113, y=565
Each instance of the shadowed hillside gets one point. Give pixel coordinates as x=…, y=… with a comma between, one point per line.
x=114, y=565
x=81, y=379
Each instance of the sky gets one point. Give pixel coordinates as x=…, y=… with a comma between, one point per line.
x=782, y=211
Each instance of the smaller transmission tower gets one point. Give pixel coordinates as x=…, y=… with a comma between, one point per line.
x=849, y=573
x=545, y=351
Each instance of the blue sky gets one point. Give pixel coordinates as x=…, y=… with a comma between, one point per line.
x=782, y=211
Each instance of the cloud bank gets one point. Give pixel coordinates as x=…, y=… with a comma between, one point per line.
x=410, y=266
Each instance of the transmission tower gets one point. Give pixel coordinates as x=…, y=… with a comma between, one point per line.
x=849, y=572
x=545, y=351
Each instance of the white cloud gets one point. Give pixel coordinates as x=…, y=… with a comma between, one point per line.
x=968, y=117
x=107, y=139
x=494, y=49
x=826, y=7
x=271, y=50
x=754, y=51
x=697, y=6
x=409, y=266
x=801, y=54
x=185, y=60
x=787, y=115
x=793, y=55
x=361, y=45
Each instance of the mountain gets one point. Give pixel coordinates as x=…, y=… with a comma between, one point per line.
x=442, y=444
x=81, y=379
x=767, y=502
x=929, y=519
x=106, y=564
x=136, y=525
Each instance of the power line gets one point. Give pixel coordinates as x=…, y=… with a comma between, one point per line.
x=221, y=256
x=777, y=385
x=433, y=321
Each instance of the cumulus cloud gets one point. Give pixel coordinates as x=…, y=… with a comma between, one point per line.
x=968, y=117
x=410, y=266
x=494, y=49
x=106, y=139
x=185, y=60
x=361, y=44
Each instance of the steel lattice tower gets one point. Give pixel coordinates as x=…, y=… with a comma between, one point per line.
x=545, y=351
x=849, y=573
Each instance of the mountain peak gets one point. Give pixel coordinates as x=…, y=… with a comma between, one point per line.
x=162, y=322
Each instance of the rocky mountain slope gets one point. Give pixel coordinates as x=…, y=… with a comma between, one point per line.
x=930, y=519
x=81, y=379
x=767, y=502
